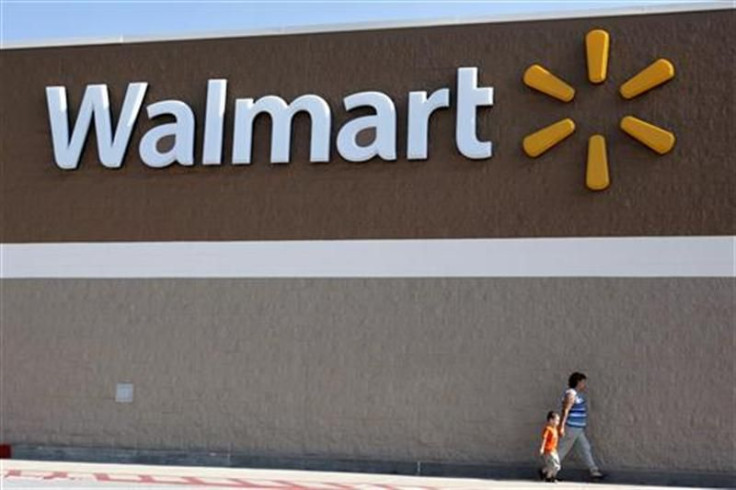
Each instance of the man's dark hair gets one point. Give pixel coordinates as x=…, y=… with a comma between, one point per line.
x=575, y=378
x=551, y=414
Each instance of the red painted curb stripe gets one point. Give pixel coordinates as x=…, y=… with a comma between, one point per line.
x=223, y=482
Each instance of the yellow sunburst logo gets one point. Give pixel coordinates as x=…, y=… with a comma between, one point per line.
x=597, y=43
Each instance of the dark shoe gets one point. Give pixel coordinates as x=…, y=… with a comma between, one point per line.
x=597, y=475
x=541, y=474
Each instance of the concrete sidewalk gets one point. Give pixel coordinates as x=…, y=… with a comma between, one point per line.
x=38, y=474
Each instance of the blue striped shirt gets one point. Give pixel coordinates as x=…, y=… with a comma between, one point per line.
x=578, y=416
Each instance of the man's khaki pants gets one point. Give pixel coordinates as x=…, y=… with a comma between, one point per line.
x=575, y=436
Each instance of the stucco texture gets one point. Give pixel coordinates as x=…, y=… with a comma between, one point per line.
x=453, y=370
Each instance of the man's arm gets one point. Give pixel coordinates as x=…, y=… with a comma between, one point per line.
x=566, y=406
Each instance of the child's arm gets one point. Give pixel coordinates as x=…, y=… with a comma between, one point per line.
x=544, y=440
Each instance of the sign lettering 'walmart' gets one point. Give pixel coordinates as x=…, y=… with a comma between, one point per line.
x=112, y=144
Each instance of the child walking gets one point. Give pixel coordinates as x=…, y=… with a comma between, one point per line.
x=548, y=449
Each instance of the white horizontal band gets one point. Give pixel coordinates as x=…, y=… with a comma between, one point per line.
x=525, y=257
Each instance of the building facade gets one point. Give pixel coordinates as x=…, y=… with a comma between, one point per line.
x=410, y=285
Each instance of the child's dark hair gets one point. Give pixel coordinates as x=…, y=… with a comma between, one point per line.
x=551, y=414
x=575, y=378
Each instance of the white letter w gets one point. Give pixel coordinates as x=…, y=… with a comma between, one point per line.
x=95, y=103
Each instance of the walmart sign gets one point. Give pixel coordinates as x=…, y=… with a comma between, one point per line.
x=112, y=143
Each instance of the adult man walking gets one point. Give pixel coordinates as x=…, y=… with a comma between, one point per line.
x=574, y=421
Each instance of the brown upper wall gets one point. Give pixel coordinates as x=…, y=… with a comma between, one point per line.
x=690, y=191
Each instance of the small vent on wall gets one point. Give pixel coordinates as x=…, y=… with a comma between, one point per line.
x=124, y=393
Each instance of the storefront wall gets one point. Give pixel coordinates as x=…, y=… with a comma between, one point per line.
x=449, y=369
x=456, y=370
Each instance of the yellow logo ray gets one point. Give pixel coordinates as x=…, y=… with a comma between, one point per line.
x=539, y=78
x=537, y=143
x=654, y=137
x=597, y=44
x=659, y=72
x=596, y=175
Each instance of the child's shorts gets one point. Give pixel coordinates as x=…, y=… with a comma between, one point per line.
x=551, y=463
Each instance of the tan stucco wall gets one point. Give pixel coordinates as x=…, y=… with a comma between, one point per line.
x=459, y=370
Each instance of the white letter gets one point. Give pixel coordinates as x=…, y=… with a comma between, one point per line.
x=384, y=120
x=182, y=130
x=281, y=117
x=469, y=97
x=420, y=108
x=95, y=104
x=213, y=122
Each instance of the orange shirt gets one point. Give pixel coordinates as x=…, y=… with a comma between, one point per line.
x=550, y=436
